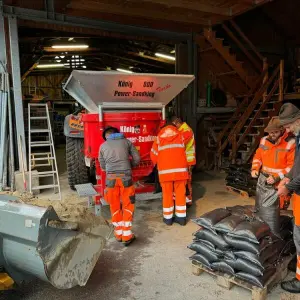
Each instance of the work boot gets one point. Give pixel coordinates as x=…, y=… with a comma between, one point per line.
x=127, y=243
x=168, y=222
x=292, y=286
x=180, y=221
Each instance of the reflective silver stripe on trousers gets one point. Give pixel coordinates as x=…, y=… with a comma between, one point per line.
x=172, y=171
x=170, y=146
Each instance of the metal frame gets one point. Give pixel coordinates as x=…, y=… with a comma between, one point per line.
x=16, y=79
x=3, y=58
x=50, y=16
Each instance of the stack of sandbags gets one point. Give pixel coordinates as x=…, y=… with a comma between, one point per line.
x=239, y=177
x=232, y=240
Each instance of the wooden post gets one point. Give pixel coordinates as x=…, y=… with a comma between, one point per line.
x=234, y=149
x=281, y=77
x=266, y=77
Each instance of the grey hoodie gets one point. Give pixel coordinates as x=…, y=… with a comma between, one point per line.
x=115, y=152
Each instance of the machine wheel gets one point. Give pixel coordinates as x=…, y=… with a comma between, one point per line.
x=77, y=170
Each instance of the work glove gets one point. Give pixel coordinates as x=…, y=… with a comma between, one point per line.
x=254, y=174
x=271, y=180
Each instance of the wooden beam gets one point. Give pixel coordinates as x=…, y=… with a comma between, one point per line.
x=97, y=6
x=24, y=76
x=153, y=58
x=194, y=6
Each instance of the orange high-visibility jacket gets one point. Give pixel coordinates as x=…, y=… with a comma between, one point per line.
x=189, y=142
x=168, y=152
x=275, y=159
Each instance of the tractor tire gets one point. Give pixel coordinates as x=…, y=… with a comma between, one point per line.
x=76, y=168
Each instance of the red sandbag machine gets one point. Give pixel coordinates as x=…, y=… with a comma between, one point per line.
x=133, y=103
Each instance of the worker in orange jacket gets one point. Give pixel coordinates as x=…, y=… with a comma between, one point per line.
x=168, y=152
x=275, y=156
x=189, y=142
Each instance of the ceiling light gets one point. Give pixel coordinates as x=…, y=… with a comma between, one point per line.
x=165, y=56
x=66, y=64
x=131, y=68
x=56, y=57
x=84, y=67
x=50, y=66
x=62, y=56
x=76, y=56
x=70, y=39
x=70, y=46
x=124, y=71
x=173, y=51
x=58, y=60
x=82, y=60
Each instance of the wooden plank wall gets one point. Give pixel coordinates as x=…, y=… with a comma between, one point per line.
x=45, y=85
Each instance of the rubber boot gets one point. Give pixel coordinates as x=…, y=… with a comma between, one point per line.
x=291, y=286
x=180, y=221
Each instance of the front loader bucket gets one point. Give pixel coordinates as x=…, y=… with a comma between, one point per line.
x=34, y=241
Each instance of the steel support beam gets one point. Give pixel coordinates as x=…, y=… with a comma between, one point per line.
x=62, y=19
x=17, y=89
x=3, y=58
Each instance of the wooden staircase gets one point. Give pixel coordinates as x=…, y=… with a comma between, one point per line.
x=244, y=73
x=246, y=127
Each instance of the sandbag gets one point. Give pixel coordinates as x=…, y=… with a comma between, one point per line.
x=202, y=260
x=200, y=248
x=229, y=254
x=252, y=231
x=207, y=243
x=211, y=218
x=257, y=281
x=217, y=240
x=228, y=224
x=222, y=266
x=240, y=244
x=245, y=266
x=259, y=260
x=267, y=203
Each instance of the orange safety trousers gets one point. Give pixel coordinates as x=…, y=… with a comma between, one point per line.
x=168, y=188
x=121, y=212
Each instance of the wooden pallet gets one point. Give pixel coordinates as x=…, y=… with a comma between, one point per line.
x=234, y=190
x=228, y=281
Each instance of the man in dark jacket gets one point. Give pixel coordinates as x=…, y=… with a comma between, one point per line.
x=289, y=117
x=114, y=158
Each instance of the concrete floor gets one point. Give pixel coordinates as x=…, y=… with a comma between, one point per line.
x=156, y=266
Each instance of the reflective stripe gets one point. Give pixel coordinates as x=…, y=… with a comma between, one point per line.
x=190, y=152
x=180, y=215
x=129, y=211
x=264, y=147
x=168, y=216
x=170, y=146
x=172, y=171
x=154, y=152
x=119, y=232
x=115, y=212
x=257, y=161
x=168, y=209
x=190, y=158
x=272, y=170
x=127, y=224
x=281, y=175
x=117, y=224
x=178, y=207
x=127, y=232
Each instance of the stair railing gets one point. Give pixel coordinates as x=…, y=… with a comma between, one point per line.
x=262, y=94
